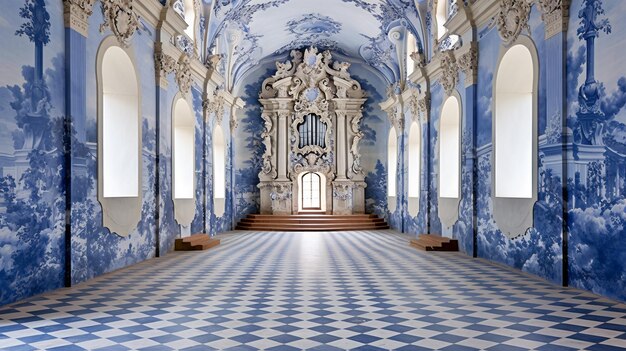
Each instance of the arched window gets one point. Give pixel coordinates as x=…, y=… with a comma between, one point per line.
x=411, y=47
x=183, y=150
x=415, y=159
x=311, y=191
x=219, y=163
x=441, y=15
x=119, y=138
x=120, y=125
x=449, y=148
x=392, y=162
x=513, y=136
x=190, y=18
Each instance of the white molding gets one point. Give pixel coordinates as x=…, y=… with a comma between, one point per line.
x=514, y=216
x=120, y=215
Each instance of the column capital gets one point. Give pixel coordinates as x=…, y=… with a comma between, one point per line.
x=468, y=64
x=164, y=64
x=76, y=15
x=555, y=15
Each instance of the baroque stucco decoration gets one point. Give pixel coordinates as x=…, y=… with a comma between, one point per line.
x=215, y=106
x=183, y=74
x=120, y=17
x=76, y=14
x=311, y=83
x=512, y=19
x=468, y=64
x=555, y=15
x=164, y=65
x=449, y=72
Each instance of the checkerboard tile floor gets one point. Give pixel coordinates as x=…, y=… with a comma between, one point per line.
x=314, y=291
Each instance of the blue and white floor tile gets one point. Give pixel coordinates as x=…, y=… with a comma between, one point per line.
x=316, y=291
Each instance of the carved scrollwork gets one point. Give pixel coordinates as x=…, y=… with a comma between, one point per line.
x=512, y=19
x=164, y=63
x=419, y=106
x=554, y=14
x=396, y=117
x=76, y=14
x=468, y=64
x=215, y=106
x=342, y=191
x=449, y=72
x=183, y=74
x=213, y=61
x=266, y=167
x=423, y=107
x=121, y=18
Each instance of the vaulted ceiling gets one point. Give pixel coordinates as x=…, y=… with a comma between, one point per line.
x=249, y=32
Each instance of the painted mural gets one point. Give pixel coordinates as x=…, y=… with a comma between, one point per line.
x=596, y=96
x=95, y=250
x=32, y=113
x=33, y=138
x=539, y=250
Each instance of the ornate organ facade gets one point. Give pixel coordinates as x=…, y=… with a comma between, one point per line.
x=312, y=111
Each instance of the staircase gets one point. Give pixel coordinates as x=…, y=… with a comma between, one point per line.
x=429, y=242
x=311, y=222
x=195, y=242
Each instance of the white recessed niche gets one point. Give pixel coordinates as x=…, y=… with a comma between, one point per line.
x=449, y=145
x=415, y=174
x=183, y=161
x=119, y=137
x=219, y=170
x=514, y=137
x=392, y=166
x=449, y=148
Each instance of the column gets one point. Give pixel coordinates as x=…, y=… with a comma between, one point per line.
x=283, y=148
x=76, y=16
x=341, y=145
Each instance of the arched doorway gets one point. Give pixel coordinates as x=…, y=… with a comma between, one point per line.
x=312, y=192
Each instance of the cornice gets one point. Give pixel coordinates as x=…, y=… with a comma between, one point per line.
x=150, y=11
x=484, y=11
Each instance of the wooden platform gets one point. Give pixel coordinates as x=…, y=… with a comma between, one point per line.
x=429, y=242
x=311, y=222
x=195, y=242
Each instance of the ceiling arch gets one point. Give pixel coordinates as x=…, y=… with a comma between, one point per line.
x=248, y=32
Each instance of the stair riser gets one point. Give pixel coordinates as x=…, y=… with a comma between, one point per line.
x=310, y=229
x=311, y=221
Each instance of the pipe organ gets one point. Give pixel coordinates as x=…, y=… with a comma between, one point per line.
x=312, y=111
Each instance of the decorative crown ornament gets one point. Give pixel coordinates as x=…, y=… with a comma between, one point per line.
x=121, y=18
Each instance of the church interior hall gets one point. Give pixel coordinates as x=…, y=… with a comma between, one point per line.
x=323, y=175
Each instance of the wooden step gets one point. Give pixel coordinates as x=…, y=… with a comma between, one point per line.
x=310, y=216
x=430, y=242
x=306, y=221
x=291, y=229
x=195, y=242
x=311, y=222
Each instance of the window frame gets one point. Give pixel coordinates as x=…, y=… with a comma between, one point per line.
x=514, y=216
x=184, y=208
x=319, y=191
x=448, y=207
x=219, y=202
x=120, y=215
x=415, y=165
x=392, y=195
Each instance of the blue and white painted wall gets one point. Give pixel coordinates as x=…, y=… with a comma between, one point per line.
x=32, y=190
x=39, y=182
